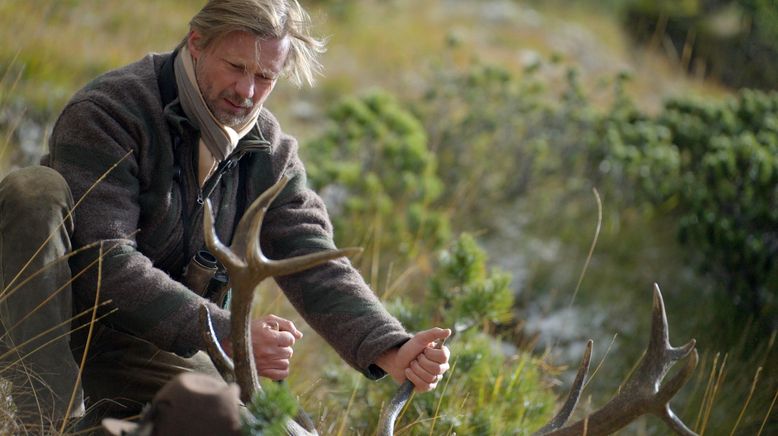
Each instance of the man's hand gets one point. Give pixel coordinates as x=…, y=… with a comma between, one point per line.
x=272, y=338
x=417, y=360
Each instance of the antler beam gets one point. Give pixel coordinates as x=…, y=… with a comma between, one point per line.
x=247, y=266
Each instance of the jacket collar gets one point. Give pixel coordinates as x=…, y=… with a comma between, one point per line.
x=168, y=89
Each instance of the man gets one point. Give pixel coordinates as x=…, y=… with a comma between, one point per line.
x=140, y=148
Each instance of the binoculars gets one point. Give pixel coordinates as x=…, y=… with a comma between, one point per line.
x=205, y=277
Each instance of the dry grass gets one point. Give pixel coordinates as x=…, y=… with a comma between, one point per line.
x=63, y=44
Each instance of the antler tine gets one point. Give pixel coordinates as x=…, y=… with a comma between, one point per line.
x=259, y=205
x=666, y=414
x=660, y=355
x=265, y=267
x=676, y=424
x=220, y=360
x=660, y=330
x=660, y=334
x=572, y=397
x=668, y=391
x=219, y=250
x=254, y=256
x=299, y=263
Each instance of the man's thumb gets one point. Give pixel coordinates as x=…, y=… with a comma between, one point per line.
x=431, y=335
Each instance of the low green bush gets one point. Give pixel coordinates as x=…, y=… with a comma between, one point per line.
x=373, y=166
x=490, y=389
x=704, y=171
x=269, y=411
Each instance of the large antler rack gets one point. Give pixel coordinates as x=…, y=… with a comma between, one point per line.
x=247, y=266
x=642, y=393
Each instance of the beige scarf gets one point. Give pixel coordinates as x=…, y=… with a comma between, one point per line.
x=216, y=140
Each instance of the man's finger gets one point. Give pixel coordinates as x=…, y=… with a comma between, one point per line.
x=272, y=353
x=417, y=345
x=431, y=366
x=273, y=364
x=420, y=385
x=437, y=355
x=276, y=338
x=284, y=325
x=274, y=374
x=423, y=374
x=271, y=324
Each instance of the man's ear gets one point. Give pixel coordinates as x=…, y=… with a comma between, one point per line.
x=193, y=43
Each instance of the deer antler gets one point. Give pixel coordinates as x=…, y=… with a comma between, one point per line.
x=247, y=266
x=572, y=397
x=642, y=393
x=400, y=397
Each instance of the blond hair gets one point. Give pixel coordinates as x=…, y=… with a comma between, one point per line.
x=271, y=19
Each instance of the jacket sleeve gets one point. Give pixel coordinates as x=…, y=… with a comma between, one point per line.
x=97, y=149
x=333, y=298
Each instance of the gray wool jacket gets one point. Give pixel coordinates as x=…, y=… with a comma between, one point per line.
x=129, y=155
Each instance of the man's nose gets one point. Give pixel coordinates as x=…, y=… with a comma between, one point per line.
x=245, y=86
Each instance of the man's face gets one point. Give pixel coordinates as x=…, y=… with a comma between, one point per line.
x=237, y=73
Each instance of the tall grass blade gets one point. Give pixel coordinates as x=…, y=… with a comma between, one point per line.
x=748, y=400
x=440, y=400
x=53, y=294
x=699, y=377
x=77, y=385
x=6, y=293
x=516, y=374
x=7, y=72
x=591, y=248
x=375, y=261
x=47, y=331
x=714, y=393
x=344, y=416
x=604, y=356
x=65, y=219
x=9, y=134
x=708, y=390
x=767, y=415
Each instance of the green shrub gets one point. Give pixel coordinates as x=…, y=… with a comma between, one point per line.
x=471, y=117
x=374, y=166
x=269, y=411
x=497, y=133
x=714, y=165
x=729, y=193
x=488, y=390
x=461, y=293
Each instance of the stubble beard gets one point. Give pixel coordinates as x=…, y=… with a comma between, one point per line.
x=226, y=118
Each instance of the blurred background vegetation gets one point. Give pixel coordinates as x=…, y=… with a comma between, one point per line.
x=499, y=118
